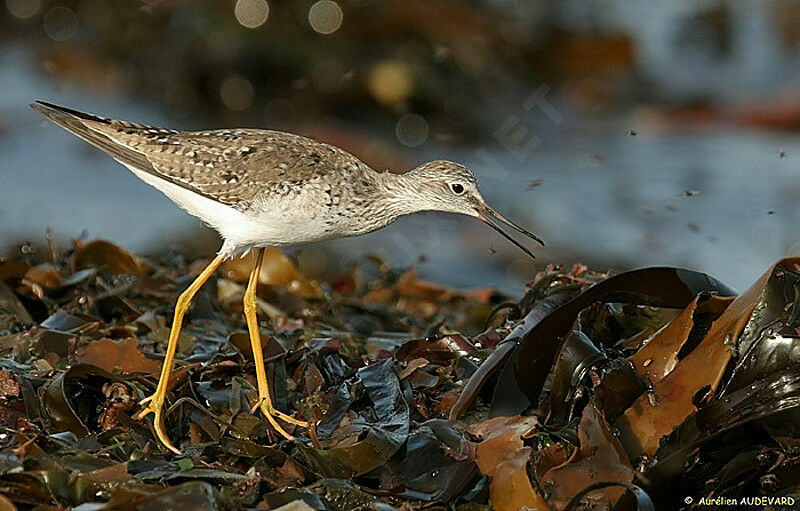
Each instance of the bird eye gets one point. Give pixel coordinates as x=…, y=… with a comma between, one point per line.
x=457, y=188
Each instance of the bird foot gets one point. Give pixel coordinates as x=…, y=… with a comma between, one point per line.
x=155, y=407
x=271, y=414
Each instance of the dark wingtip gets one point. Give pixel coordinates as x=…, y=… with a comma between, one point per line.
x=51, y=109
x=39, y=106
x=48, y=109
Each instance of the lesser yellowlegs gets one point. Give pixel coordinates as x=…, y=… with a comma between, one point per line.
x=261, y=188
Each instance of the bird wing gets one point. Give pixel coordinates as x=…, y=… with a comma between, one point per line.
x=233, y=167
x=237, y=166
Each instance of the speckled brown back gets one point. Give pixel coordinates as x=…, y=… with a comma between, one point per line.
x=233, y=167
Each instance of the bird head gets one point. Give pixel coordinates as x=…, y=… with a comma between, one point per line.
x=448, y=186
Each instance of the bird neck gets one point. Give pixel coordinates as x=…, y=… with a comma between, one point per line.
x=403, y=194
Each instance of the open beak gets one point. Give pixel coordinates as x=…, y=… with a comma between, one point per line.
x=491, y=218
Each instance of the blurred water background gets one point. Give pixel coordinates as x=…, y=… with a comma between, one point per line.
x=624, y=133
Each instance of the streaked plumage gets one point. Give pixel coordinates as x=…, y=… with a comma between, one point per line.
x=262, y=188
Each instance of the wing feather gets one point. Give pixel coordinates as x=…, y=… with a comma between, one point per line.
x=233, y=167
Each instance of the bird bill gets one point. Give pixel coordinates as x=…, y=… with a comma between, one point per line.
x=491, y=218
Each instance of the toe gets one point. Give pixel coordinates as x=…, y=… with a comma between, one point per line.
x=288, y=418
x=143, y=413
x=161, y=433
x=285, y=434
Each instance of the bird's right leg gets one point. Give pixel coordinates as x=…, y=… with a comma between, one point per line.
x=156, y=401
x=250, y=314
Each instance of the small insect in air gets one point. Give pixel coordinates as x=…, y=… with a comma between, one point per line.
x=536, y=183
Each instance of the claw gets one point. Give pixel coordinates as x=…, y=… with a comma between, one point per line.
x=288, y=418
x=271, y=413
x=143, y=413
x=155, y=407
x=285, y=434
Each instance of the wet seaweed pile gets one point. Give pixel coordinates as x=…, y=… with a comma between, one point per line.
x=656, y=387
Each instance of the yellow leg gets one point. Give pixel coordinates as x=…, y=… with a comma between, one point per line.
x=250, y=311
x=156, y=401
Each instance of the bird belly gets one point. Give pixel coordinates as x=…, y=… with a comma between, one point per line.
x=293, y=219
x=304, y=215
x=217, y=215
x=291, y=226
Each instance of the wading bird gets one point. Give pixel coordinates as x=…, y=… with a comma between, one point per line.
x=261, y=188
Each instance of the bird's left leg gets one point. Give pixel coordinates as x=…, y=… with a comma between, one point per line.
x=156, y=401
x=250, y=313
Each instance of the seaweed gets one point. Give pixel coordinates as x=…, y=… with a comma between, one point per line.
x=647, y=389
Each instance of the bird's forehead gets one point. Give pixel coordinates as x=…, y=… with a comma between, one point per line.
x=449, y=171
x=461, y=172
